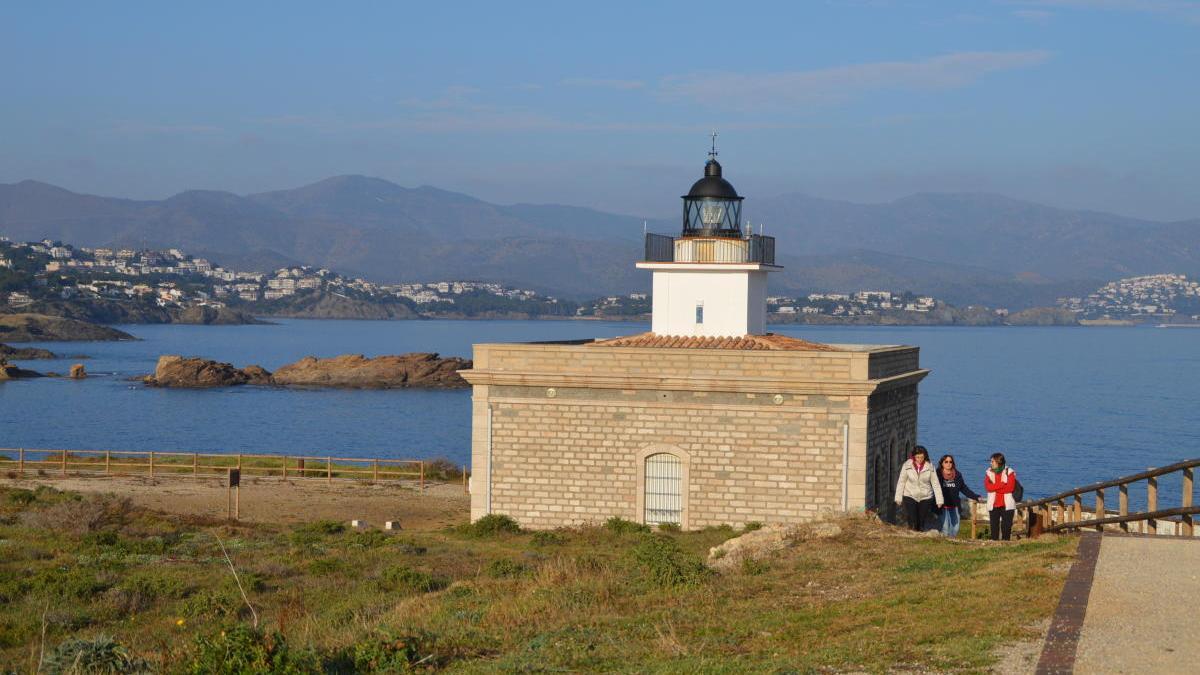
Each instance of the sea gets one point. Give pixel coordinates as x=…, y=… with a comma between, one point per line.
x=1068, y=406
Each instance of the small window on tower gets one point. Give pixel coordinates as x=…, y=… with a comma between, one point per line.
x=699, y=312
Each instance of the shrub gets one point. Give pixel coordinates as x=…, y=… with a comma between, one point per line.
x=402, y=578
x=673, y=528
x=324, y=566
x=753, y=567
x=388, y=653
x=81, y=516
x=76, y=582
x=752, y=526
x=668, y=565
x=547, y=538
x=370, y=539
x=621, y=526
x=99, y=655
x=311, y=533
x=441, y=468
x=505, y=568
x=21, y=497
x=491, y=525
x=242, y=649
x=212, y=604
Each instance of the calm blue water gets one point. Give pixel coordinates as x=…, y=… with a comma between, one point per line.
x=1068, y=406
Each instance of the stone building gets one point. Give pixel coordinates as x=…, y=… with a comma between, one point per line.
x=705, y=420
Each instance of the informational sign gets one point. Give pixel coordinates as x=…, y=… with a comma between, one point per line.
x=235, y=477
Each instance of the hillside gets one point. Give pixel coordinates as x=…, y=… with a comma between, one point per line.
x=967, y=248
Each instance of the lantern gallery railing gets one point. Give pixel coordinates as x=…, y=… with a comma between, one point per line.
x=752, y=249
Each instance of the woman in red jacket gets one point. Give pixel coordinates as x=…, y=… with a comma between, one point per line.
x=1000, y=481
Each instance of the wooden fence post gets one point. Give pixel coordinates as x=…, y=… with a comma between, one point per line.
x=376, y=467
x=64, y=462
x=1063, y=512
x=21, y=460
x=1123, y=501
x=1100, y=512
x=1187, y=501
x=422, y=475
x=285, y=467
x=1078, y=507
x=329, y=470
x=195, y=464
x=107, y=463
x=466, y=488
x=152, y=464
x=1151, y=504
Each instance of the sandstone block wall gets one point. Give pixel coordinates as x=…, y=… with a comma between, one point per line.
x=561, y=432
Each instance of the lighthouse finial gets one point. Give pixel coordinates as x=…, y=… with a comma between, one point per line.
x=712, y=154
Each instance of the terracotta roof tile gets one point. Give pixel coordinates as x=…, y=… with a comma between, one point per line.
x=768, y=342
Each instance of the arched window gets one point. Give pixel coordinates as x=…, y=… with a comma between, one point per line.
x=664, y=489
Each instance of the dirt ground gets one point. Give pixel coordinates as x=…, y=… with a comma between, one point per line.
x=271, y=500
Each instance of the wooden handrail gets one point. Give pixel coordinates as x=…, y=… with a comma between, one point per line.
x=1040, y=515
x=1151, y=473
x=1117, y=520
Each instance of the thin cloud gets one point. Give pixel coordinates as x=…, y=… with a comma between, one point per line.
x=1034, y=15
x=139, y=128
x=750, y=91
x=601, y=83
x=1185, y=9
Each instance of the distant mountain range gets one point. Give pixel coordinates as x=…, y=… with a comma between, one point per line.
x=964, y=248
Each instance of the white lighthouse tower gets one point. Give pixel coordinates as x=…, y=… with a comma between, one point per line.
x=710, y=281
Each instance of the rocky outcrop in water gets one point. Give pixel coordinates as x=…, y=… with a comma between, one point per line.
x=11, y=372
x=349, y=371
x=78, y=372
x=39, y=327
x=214, y=316
x=25, y=353
x=195, y=373
x=355, y=371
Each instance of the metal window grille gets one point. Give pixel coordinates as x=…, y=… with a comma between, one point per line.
x=699, y=312
x=664, y=489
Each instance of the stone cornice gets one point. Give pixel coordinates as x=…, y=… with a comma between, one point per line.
x=740, y=385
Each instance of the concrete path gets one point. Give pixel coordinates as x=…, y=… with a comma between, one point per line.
x=1142, y=608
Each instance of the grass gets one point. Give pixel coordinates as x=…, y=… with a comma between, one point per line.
x=123, y=585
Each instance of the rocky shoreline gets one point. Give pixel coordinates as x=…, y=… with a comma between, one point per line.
x=42, y=328
x=348, y=371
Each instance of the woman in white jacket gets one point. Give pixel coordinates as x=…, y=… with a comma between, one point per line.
x=918, y=489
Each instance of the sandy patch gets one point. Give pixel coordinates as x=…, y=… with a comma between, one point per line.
x=271, y=500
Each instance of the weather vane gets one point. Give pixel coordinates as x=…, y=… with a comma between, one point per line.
x=713, y=153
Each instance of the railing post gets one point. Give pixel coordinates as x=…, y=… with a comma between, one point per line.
x=974, y=508
x=1100, y=512
x=285, y=467
x=422, y=474
x=329, y=470
x=239, y=461
x=1078, y=507
x=64, y=462
x=466, y=488
x=195, y=464
x=1187, y=501
x=21, y=461
x=1123, y=504
x=107, y=463
x=1151, y=504
x=152, y=464
x=376, y=468
x=1062, y=511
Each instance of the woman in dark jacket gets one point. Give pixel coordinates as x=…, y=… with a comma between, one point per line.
x=954, y=487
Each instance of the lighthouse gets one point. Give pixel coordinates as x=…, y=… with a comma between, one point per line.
x=711, y=280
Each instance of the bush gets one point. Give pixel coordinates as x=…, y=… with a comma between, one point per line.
x=100, y=655
x=441, y=468
x=402, y=578
x=673, y=528
x=81, y=516
x=752, y=526
x=491, y=525
x=311, y=533
x=21, y=497
x=324, y=566
x=505, y=568
x=547, y=538
x=621, y=526
x=242, y=649
x=212, y=604
x=370, y=539
x=668, y=565
x=387, y=653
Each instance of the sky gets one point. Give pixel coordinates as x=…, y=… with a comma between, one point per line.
x=1075, y=103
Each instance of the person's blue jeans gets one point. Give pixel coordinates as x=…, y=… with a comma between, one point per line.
x=949, y=519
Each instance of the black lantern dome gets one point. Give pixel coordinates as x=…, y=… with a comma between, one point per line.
x=712, y=208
